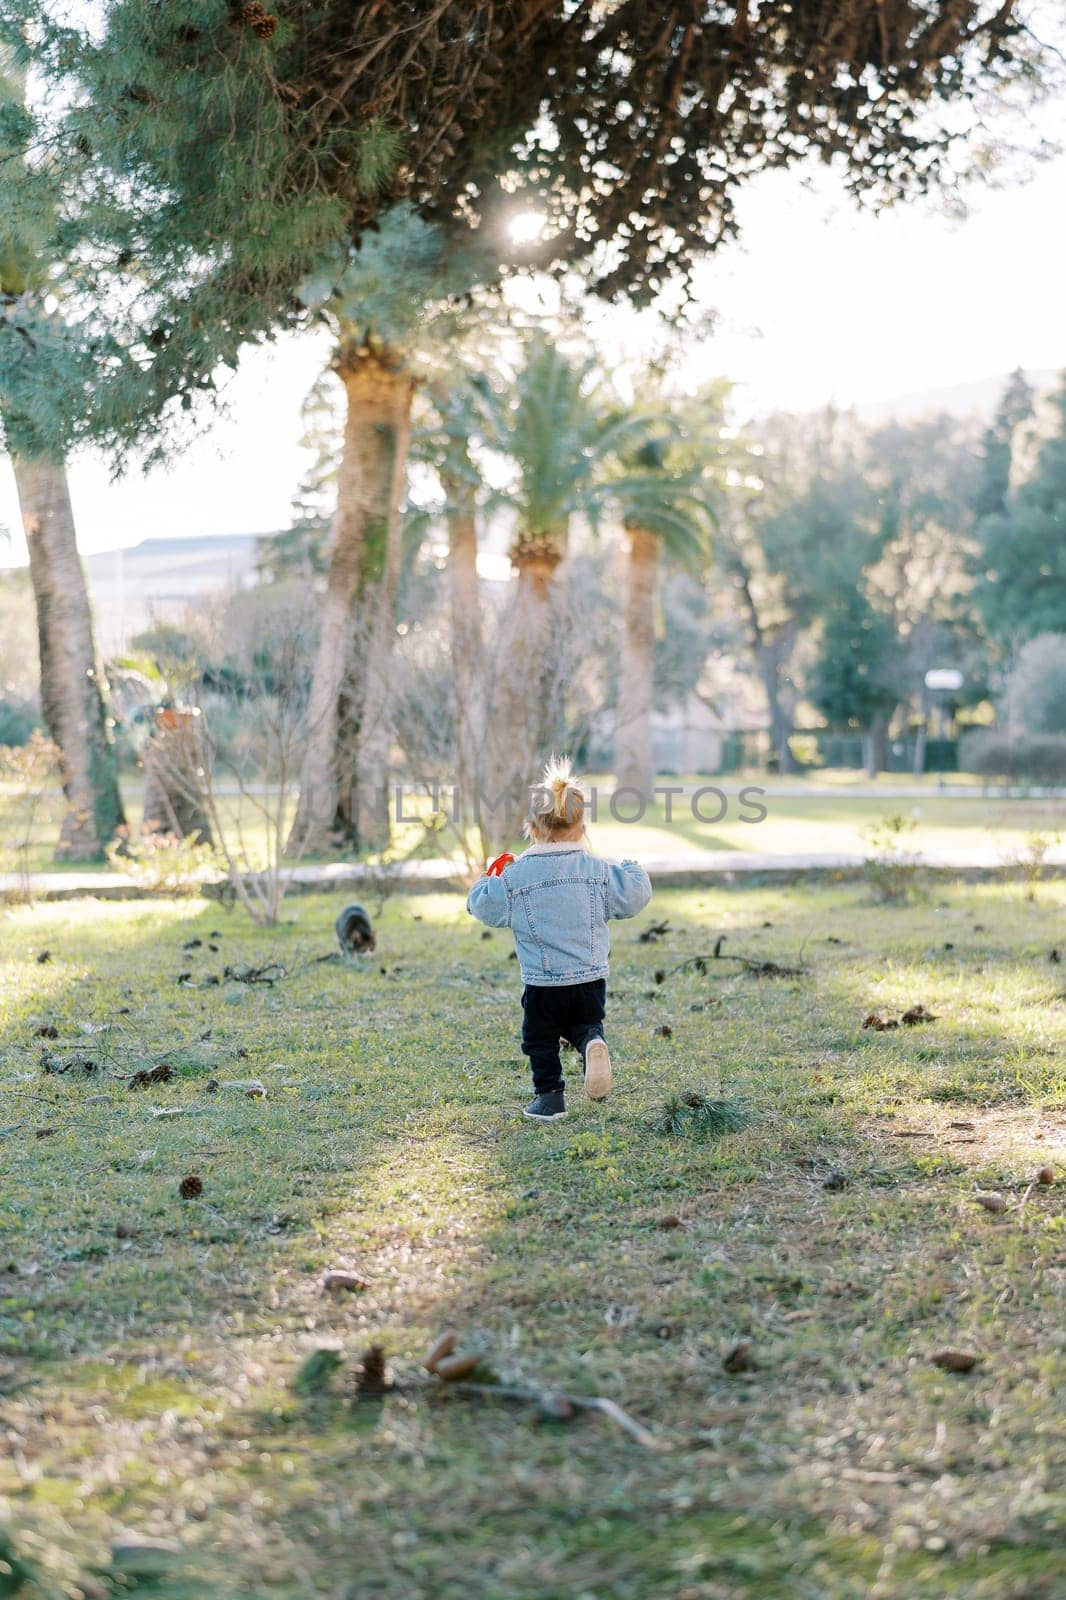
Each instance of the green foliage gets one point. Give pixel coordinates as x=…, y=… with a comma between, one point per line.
x=997, y=448
x=571, y=450
x=849, y=678
x=188, y=165
x=167, y=644
x=1021, y=585
x=693, y=1115
x=317, y=1372
x=652, y=489
x=892, y=869
x=164, y=863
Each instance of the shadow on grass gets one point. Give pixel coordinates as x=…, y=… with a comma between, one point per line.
x=544, y=1248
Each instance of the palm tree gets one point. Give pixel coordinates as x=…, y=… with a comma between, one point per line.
x=73, y=686
x=393, y=308
x=557, y=430
x=663, y=513
x=457, y=408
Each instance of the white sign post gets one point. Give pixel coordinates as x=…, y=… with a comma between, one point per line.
x=944, y=678
x=940, y=681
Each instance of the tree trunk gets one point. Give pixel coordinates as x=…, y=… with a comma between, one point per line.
x=921, y=734
x=771, y=658
x=371, y=813
x=467, y=643
x=527, y=683
x=73, y=687
x=772, y=649
x=874, y=741
x=362, y=543
x=634, y=767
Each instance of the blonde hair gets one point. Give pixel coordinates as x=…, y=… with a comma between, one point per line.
x=556, y=804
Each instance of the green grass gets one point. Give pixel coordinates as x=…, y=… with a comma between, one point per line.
x=824, y=818
x=149, y=1345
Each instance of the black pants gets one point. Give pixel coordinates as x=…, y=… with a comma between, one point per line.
x=572, y=1011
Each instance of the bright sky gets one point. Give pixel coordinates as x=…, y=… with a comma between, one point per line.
x=818, y=301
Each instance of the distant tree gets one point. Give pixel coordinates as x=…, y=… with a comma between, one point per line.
x=1021, y=582
x=796, y=529
x=454, y=417
x=850, y=680
x=170, y=645
x=922, y=474
x=661, y=496
x=997, y=447
x=556, y=431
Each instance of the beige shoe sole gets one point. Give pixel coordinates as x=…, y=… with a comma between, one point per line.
x=598, y=1077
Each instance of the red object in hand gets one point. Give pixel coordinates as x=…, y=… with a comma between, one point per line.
x=495, y=868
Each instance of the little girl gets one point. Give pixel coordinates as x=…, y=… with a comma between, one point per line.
x=557, y=898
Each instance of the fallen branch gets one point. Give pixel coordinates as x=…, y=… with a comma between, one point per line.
x=762, y=969
x=269, y=973
x=559, y=1406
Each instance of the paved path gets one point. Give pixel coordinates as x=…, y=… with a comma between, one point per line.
x=692, y=868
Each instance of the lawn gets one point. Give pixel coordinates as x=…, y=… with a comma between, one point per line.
x=801, y=816
x=152, y=1346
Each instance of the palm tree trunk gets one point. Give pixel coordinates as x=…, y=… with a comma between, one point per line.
x=634, y=767
x=370, y=808
x=73, y=687
x=467, y=642
x=377, y=429
x=526, y=676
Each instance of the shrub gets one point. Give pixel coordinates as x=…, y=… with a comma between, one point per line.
x=30, y=776
x=892, y=868
x=1040, y=758
x=1036, y=689
x=165, y=863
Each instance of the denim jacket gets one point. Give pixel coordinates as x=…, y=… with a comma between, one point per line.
x=557, y=899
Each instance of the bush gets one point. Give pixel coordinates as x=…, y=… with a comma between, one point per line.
x=1038, y=758
x=893, y=869
x=164, y=863
x=1036, y=689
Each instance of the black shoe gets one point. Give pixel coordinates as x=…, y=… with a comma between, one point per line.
x=547, y=1107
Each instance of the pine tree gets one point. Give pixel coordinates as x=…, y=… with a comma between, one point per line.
x=997, y=450
x=1021, y=586
x=214, y=154
x=850, y=680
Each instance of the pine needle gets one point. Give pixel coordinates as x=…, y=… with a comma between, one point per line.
x=695, y=1116
x=316, y=1372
